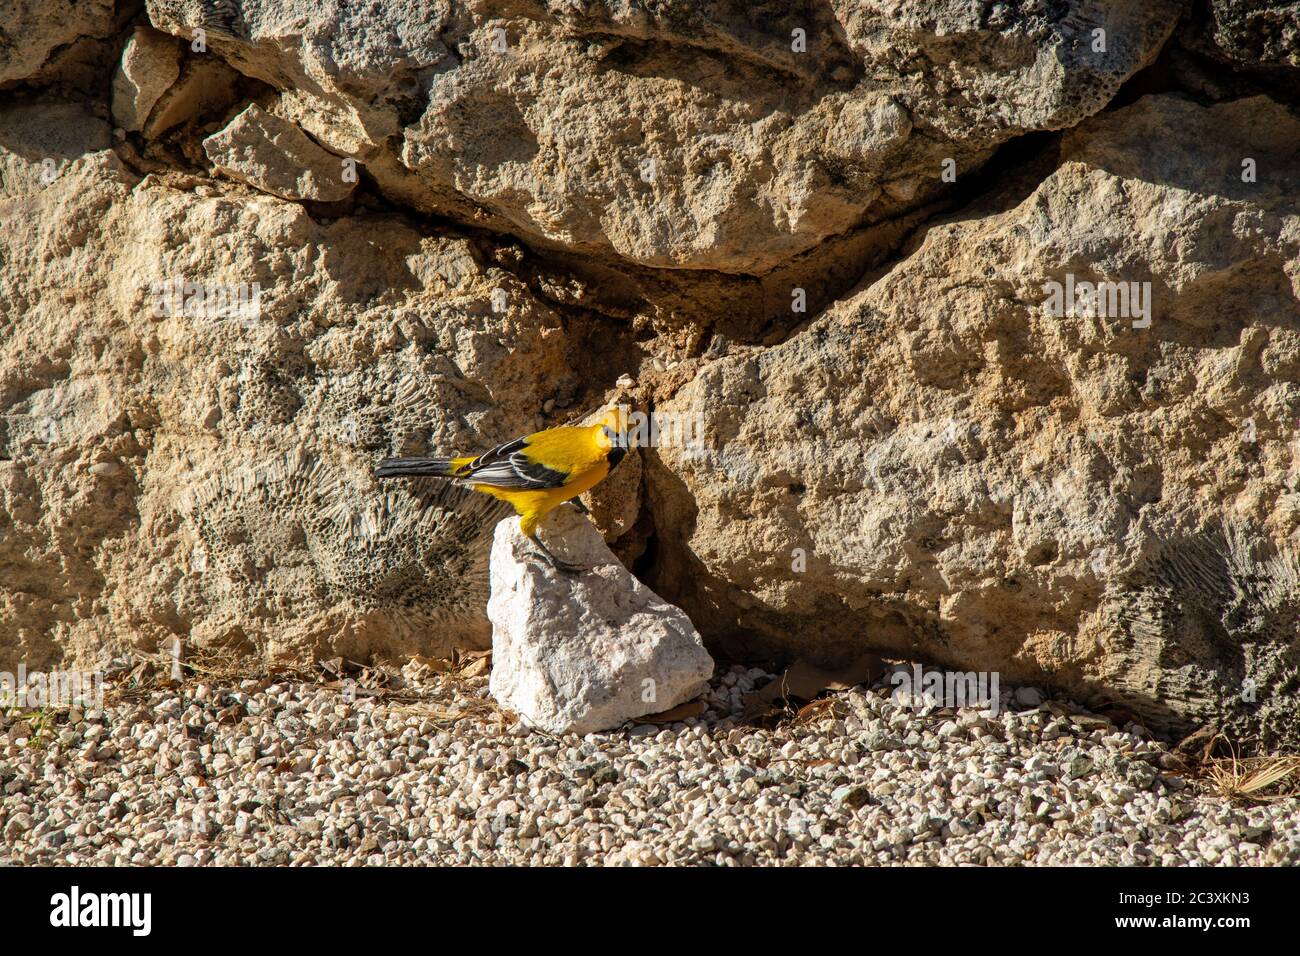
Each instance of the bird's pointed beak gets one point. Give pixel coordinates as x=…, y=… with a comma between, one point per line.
x=614, y=420
x=613, y=425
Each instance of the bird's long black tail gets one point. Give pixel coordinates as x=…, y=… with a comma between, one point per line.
x=431, y=467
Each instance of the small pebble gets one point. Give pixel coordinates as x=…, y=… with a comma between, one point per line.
x=223, y=774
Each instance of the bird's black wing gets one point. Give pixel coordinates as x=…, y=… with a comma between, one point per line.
x=508, y=466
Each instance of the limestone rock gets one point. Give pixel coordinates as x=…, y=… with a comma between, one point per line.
x=1259, y=33
x=206, y=85
x=703, y=136
x=274, y=155
x=615, y=503
x=151, y=62
x=587, y=652
x=198, y=375
x=244, y=518
x=36, y=34
x=939, y=467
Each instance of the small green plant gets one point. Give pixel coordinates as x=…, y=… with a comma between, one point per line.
x=41, y=721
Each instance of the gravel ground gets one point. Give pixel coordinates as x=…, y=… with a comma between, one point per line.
x=252, y=772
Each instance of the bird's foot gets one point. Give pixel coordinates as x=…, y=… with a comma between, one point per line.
x=564, y=567
x=582, y=509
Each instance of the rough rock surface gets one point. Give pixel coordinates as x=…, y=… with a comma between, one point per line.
x=940, y=467
x=151, y=63
x=206, y=86
x=37, y=35
x=1259, y=33
x=204, y=473
x=578, y=653
x=679, y=134
x=665, y=204
x=275, y=156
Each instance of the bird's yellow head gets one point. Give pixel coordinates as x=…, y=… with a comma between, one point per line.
x=611, y=433
x=610, y=428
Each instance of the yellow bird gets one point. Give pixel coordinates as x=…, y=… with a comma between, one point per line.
x=536, y=474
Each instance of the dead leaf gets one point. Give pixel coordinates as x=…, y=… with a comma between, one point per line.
x=470, y=663
x=817, y=709
x=1090, y=722
x=438, y=665
x=692, y=708
x=477, y=667
x=1203, y=740
x=804, y=681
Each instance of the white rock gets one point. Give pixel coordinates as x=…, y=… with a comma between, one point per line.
x=584, y=652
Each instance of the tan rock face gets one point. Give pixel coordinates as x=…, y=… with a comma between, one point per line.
x=941, y=467
x=205, y=84
x=194, y=390
x=275, y=156
x=151, y=63
x=719, y=135
x=928, y=429
x=36, y=35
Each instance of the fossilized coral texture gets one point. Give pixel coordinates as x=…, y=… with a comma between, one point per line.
x=463, y=220
x=173, y=470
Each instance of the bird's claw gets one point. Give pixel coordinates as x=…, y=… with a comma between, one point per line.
x=564, y=567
